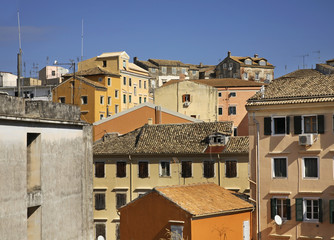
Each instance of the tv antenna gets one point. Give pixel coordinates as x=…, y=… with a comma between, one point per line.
x=82, y=22
x=318, y=55
x=19, y=58
x=303, y=56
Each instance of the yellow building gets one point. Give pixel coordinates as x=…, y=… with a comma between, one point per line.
x=291, y=157
x=104, y=85
x=130, y=165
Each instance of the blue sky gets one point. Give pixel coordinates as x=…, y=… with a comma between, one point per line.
x=191, y=31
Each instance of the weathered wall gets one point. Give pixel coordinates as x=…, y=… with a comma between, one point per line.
x=11, y=105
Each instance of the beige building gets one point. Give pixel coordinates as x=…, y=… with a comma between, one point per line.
x=161, y=155
x=291, y=157
x=189, y=98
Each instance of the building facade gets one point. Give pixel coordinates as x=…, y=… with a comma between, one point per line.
x=130, y=165
x=246, y=68
x=46, y=171
x=193, y=212
x=291, y=158
x=52, y=75
x=8, y=79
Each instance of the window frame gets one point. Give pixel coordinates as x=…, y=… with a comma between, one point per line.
x=236, y=168
x=160, y=168
x=273, y=175
x=130, y=82
x=230, y=108
x=211, y=174
x=84, y=100
x=104, y=169
x=174, y=232
x=62, y=99
x=315, y=220
x=274, y=201
x=163, y=69
x=273, y=132
x=109, y=81
x=109, y=100
x=104, y=227
x=96, y=201
x=101, y=100
x=118, y=174
x=245, y=76
x=185, y=174
x=173, y=70
x=303, y=168
x=116, y=93
x=124, y=81
x=124, y=98
x=220, y=94
x=118, y=205
x=303, y=123
x=147, y=170
x=220, y=110
x=104, y=63
x=116, y=108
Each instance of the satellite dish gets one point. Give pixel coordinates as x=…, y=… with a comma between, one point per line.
x=100, y=238
x=278, y=220
x=55, y=62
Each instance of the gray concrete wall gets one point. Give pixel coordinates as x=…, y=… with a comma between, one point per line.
x=12, y=106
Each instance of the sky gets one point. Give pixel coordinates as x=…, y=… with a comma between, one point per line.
x=191, y=31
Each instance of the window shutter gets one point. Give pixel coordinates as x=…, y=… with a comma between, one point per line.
x=183, y=98
x=299, y=209
x=287, y=125
x=288, y=208
x=297, y=122
x=189, y=98
x=331, y=211
x=321, y=124
x=273, y=203
x=320, y=210
x=267, y=126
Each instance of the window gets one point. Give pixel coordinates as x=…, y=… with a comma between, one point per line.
x=310, y=165
x=61, y=99
x=142, y=169
x=280, y=207
x=101, y=116
x=117, y=231
x=279, y=167
x=248, y=62
x=186, y=169
x=109, y=101
x=153, y=70
x=246, y=76
x=124, y=98
x=186, y=98
x=331, y=211
x=231, y=168
x=164, y=70
x=124, y=80
x=116, y=109
x=194, y=72
x=84, y=100
x=53, y=73
x=276, y=125
x=268, y=76
x=262, y=63
x=109, y=81
x=120, y=199
x=176, y=232
x=135, y=90
x=257, y=76
x=173, y=70
x=232, y=110
x=144, y=84
x=139, y=99
x=100, y=79
x=232, y=94
x=309, y=209
x=104, y=63
x=100, y=201
x=130, y=99
x=217, y=139
x=100, y=230
x=99, y=169
x=130, y=82
x=209, y=169
x=224, y=65
x=164, y=169
x=219, y=94
x=309, y=124
x=144, y=99
x=183, y=71
x=116, y=93
x=235, y=131
x=33, y=152
x=230, y=65
x=220, y=111
x=101, y=100
x=124, y=64
x=121, y=169
x=139, y=84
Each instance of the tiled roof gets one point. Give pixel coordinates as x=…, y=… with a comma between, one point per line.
x=303, y=73
x=93, y=71
x=87, y=81
x=223, y=82
x=255, y=61
x=326, y=66
x=204, y=199
x=161, y=62
x=238, y=144
x=187, y=138
x=287, y=90
x=147, y=64
x=330, y=60
x=133, y=66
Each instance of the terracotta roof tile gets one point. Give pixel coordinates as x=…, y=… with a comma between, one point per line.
x=187, y=138
x=162, y=62
x=255, y=61
x=204, y=199
x=93, y=71
x=238, y=144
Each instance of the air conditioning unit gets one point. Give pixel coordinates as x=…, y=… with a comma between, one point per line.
x=186, y=104
x=305, y=139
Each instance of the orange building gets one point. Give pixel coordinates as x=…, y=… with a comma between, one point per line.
x=133, y=118
x=192, y=212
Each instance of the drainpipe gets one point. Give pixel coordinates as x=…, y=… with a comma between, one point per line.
x=257, y=177
x=218, y=170
x=130, y=178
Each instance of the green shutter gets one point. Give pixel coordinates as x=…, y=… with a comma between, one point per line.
x=297, y=122
x=331, y=211
x=288, y=208
x=320, y=210
x=299, y=209
x=273, y=204
x=321, y=124
x=267, y=126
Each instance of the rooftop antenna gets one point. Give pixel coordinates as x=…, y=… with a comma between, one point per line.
x=47, y=60
x=318, y=55
x=303, y=56
x=19, y=58
x=82, y=39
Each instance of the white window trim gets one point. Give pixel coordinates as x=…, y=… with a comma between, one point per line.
x=231, y=160
x=116, y=94
x=316, y=123
x=148, y=168
x=214, y=168
x=101, y=98
x=192, y=167
x=109, y=103
x=273, y=126
x=305, y=219
x=303, y=168
x=160, y=168
x=273, y=170
x=281, y=198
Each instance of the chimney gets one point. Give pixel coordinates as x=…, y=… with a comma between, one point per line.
x=200, y=65
x=229, y=53
x=256, y=55
x=157, y=115
x=135, y=59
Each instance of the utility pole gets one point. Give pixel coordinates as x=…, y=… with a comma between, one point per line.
x=19, y=59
